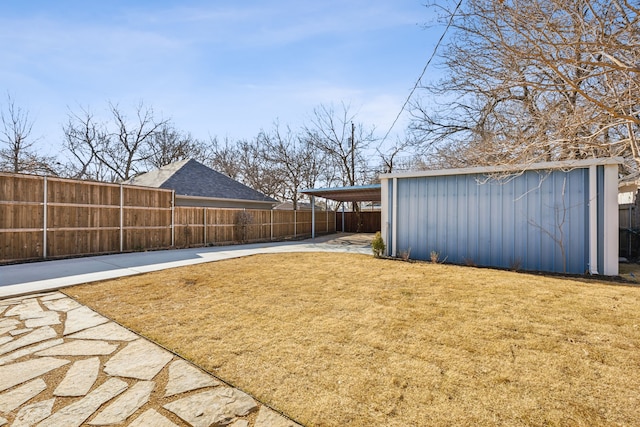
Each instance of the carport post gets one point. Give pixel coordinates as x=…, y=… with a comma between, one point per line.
x=313, y=217
x=343, y=203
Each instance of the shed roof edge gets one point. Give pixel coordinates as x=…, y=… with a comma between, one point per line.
x=565, y=164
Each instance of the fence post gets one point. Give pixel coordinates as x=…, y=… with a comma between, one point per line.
x=121, y=218
x=313, y=217
x=326, y=208
x=205, y=225
x=271, y=211
x=295, y=223
x=173, y=228
x=44, y=221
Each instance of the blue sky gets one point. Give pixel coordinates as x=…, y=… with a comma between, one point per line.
x=220, y=68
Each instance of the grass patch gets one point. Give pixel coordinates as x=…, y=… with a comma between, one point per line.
x=345, y=339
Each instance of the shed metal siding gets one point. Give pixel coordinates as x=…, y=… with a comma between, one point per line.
x=528, y=221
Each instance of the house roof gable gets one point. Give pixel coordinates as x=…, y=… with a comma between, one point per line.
x=191, y=178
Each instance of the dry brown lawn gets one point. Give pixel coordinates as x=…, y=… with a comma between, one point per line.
x=344, y=339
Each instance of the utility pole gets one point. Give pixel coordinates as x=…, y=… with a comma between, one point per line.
x=353, y=154
x=355, y=208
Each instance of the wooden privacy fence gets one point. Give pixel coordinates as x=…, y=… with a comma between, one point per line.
x=45, y=217
x=197, y=226
x=369, y=222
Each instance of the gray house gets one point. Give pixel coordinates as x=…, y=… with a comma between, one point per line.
x=198, y=185
x=557, y=216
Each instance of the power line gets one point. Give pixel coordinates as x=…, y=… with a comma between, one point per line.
x=424, y=70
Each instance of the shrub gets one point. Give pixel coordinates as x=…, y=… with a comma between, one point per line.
x=377, y=245
x=435, y=257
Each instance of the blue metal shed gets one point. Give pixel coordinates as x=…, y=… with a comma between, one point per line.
x=556, y=217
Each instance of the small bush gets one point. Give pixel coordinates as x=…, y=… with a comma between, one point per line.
x=435, y=257
x=405, y=255
x=516, y=264
x=377, y=245
x=469, y=262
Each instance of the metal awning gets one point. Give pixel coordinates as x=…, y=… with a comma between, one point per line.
x=356, y=193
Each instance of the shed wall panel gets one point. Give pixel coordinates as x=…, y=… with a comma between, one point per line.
x=533, y=221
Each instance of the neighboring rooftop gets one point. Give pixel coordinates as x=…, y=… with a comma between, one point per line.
x=191, y=178
x=302, y=206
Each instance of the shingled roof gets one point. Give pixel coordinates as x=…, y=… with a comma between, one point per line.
x=191, y=178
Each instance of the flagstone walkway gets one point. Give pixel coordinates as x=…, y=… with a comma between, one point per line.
x=62, y=364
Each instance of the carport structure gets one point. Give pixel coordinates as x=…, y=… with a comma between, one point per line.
x=355, y=193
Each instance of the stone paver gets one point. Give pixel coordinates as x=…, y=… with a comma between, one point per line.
x=212, y=407
x=34, y=413
x=76, y=413
x=62, y=304
x=79, y=379
x=6, y=329
x=40, y=334
x=107, y=331
x=82, y=318
x=269, y=418
x=36, y=377
x=125, y=405
x=48, y=318
x=80, y=348
x=29, y=350
x=140, y=359
x=26, y=308
x=9, y=322
x=151, y=417
x=10, y=400
x=8, y=325
x=185, y=377
x=17, y=373
x=52, y=296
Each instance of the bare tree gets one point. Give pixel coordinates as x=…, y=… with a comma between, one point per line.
x=225, y=157
x=168, y=145
x=129, y=146
x=82, y=138
x=342, y=140
x=401, y=154
x=116, y=150
x=256, y=172
x=17, y=153
x=294, y=157
x=538, y=80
